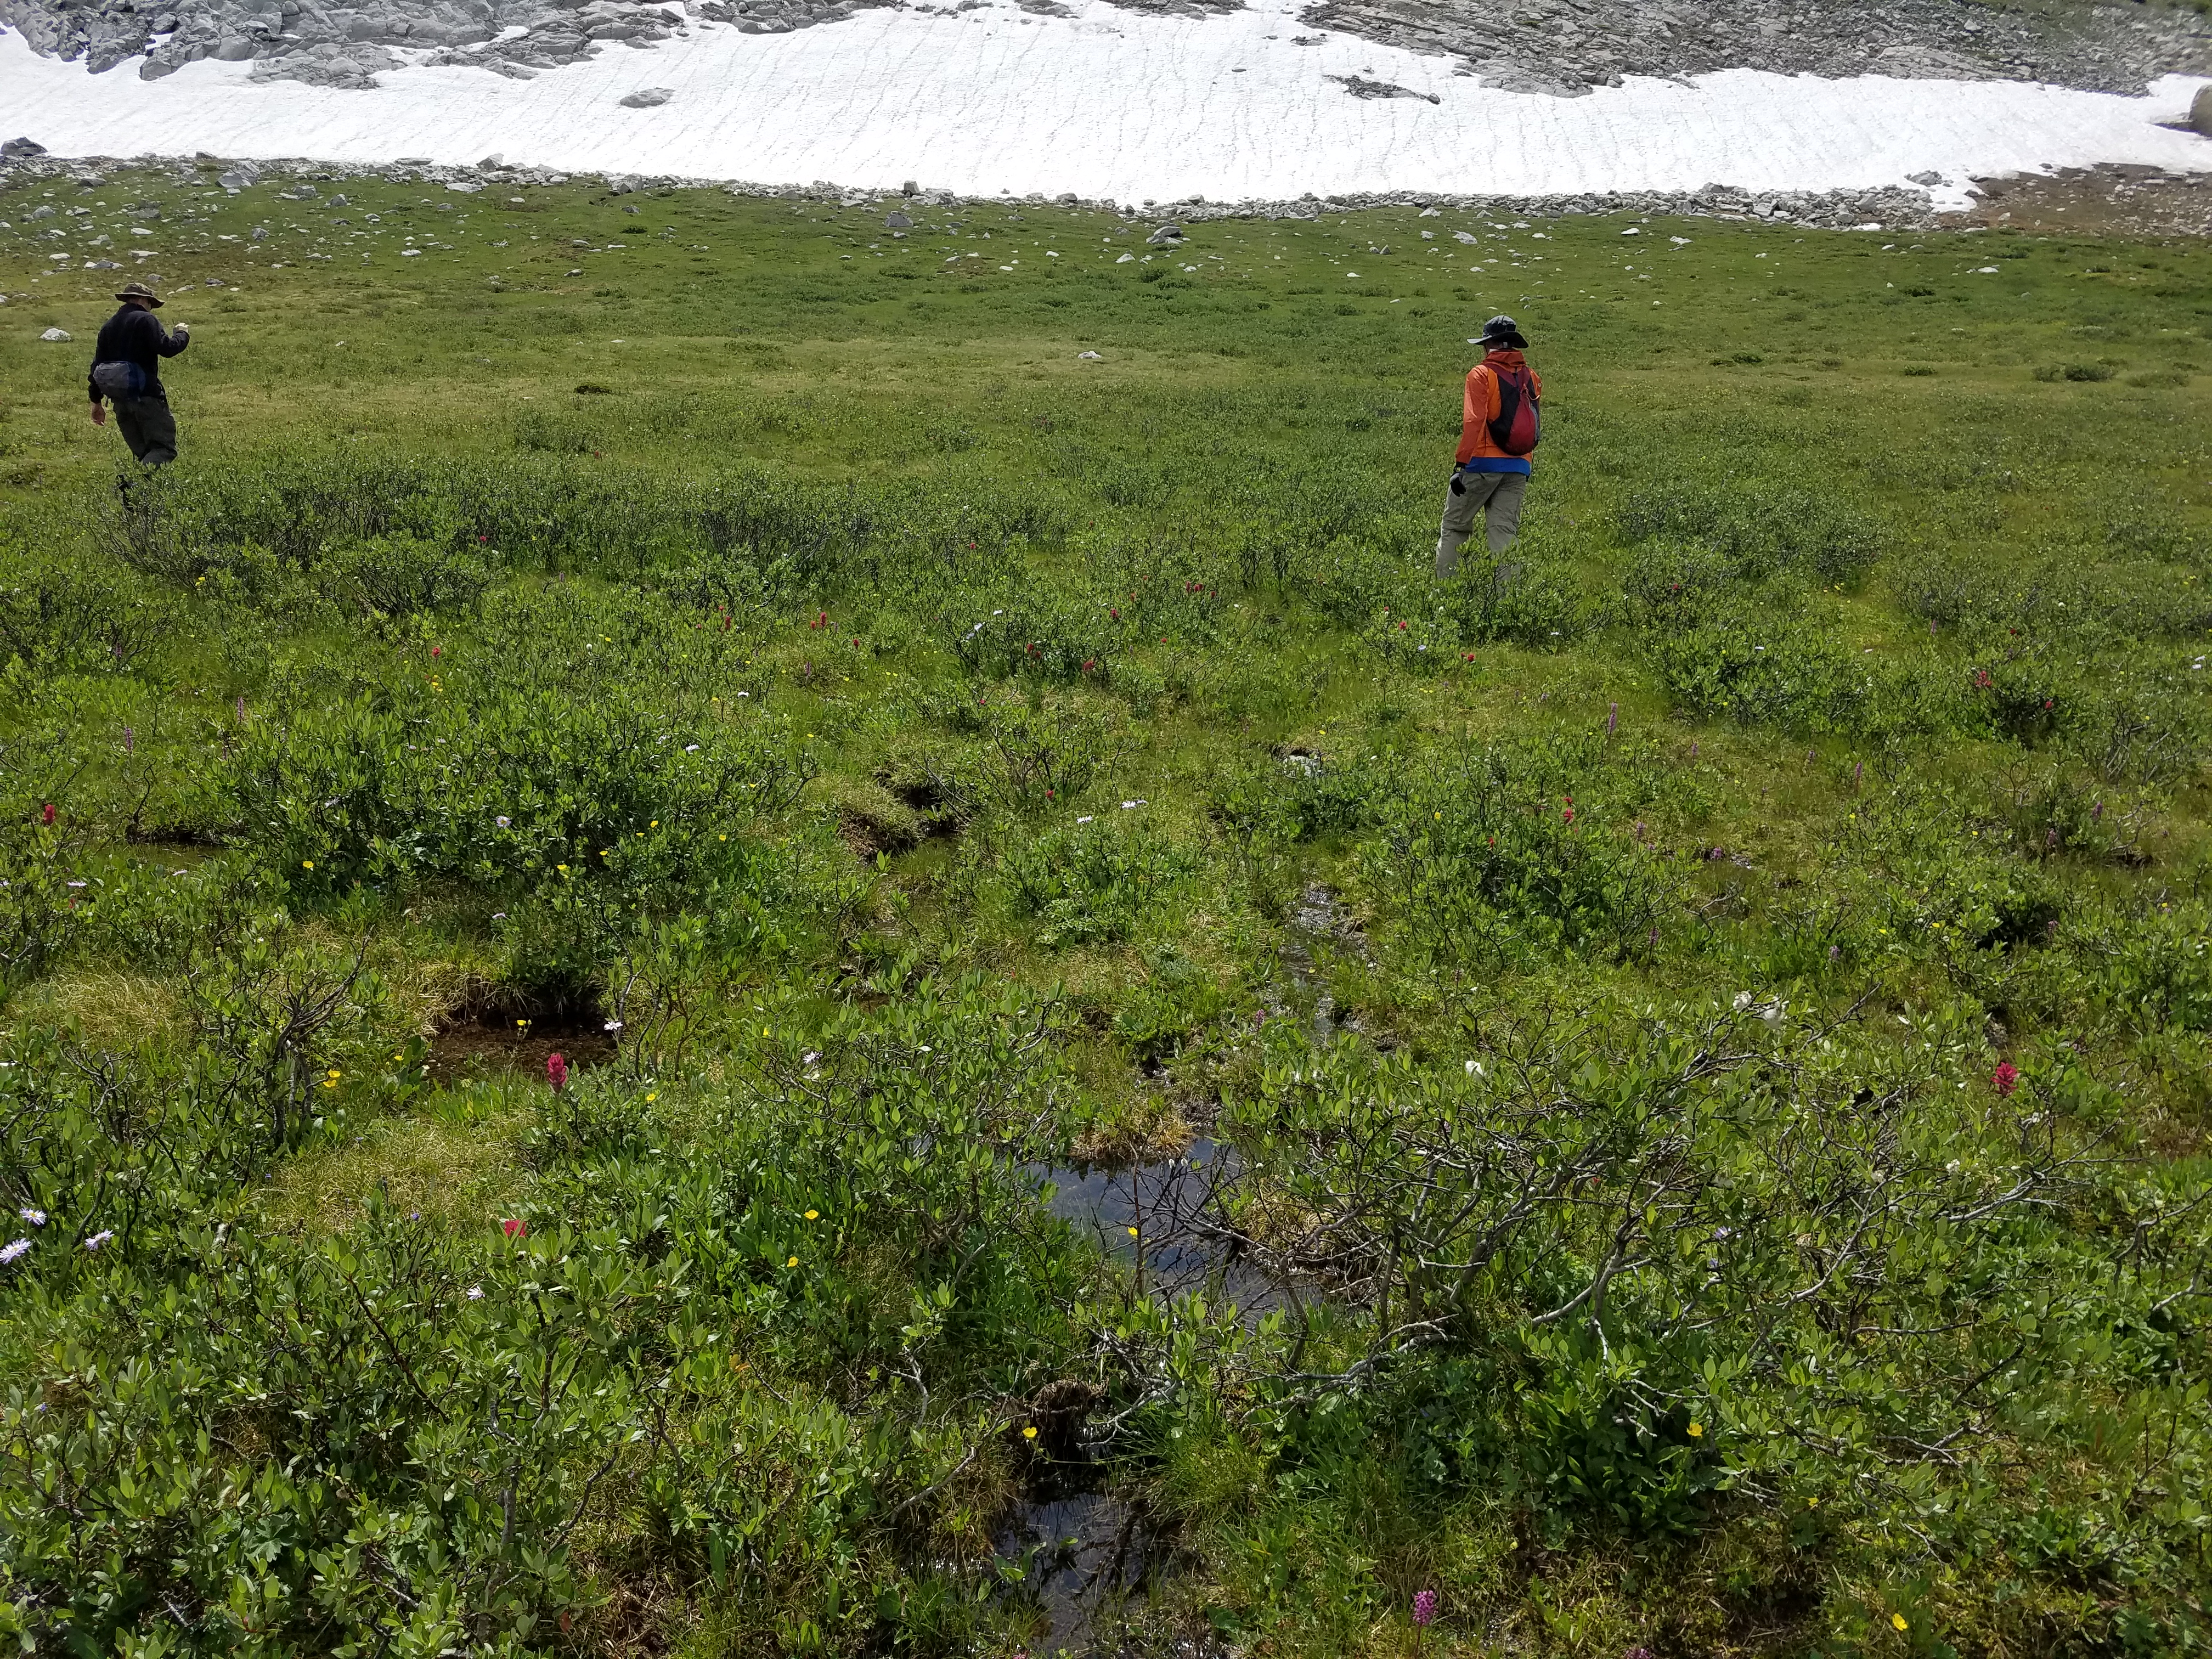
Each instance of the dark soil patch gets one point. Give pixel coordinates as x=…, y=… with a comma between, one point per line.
x=2120, y=200
x=507, y=1030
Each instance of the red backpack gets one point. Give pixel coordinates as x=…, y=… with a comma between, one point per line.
x=1517, y=425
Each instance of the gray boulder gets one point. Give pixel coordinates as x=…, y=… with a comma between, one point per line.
x=2200, y=113
x=57, y=336
x=649, y=98
x=21, y=149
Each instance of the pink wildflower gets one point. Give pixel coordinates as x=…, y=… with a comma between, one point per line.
x=515, y=1229
x=1424, y=1608
x=2006, y=1078
x=557, y=1072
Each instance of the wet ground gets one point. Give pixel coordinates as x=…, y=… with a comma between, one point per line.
x=1081, y=1555
x=497, y=1041
x=1164, y=1219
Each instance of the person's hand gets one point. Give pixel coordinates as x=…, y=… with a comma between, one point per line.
x=1459, y=484
x=182, y=328
x=99, y=414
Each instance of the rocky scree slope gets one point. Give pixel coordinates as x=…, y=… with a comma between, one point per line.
x=345, y=45
x=1568, y=46
x=1550, y=46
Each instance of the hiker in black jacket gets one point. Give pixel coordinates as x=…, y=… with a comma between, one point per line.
x=126, y=370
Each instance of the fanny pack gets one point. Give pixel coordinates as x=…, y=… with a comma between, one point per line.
x=120, y=379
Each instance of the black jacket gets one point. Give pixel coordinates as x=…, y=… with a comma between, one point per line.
x=132, y=336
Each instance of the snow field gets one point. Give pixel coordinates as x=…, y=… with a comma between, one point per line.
x=1111, y=105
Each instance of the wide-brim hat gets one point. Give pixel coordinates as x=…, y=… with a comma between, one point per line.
x=1503, y=330
x=139, y=291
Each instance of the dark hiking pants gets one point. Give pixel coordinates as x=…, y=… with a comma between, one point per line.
x=148, y=427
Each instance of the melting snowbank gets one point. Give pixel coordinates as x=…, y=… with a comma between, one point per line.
x=1109, y=104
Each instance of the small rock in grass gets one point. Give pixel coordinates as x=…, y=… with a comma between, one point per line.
x=57, y=336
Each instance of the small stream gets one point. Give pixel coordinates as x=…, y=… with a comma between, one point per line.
x=1081, y=1553
x=1320, y=918
x=1155, y=1216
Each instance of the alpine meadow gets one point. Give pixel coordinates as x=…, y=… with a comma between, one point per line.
x=734, y=931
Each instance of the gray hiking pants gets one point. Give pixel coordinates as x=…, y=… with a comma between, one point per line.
x=148, y=427
x=1496, y=495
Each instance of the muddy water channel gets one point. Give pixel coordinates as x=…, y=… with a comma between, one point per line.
x=1158, y=1218
x=1078, y=1556
x=1083, y=1556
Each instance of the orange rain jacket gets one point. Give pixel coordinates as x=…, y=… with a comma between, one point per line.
x=1476, y=452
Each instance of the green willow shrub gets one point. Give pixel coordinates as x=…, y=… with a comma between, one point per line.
x=403, y=575
x=1761, y=529
x=1517, y=851
x=222, y=1436
x=1723, y=652
x=585, y=750
x=1513, y=597
x=562, y=512
x=1095, y=883
x=72, y=617
x=1623, y=1262
x=1297, y=797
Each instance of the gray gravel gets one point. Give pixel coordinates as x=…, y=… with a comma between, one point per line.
x=1896, y=208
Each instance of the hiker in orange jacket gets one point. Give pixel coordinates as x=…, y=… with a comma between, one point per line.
x=1490, y=474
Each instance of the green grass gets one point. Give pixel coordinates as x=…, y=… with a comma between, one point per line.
x=1708, y=1012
